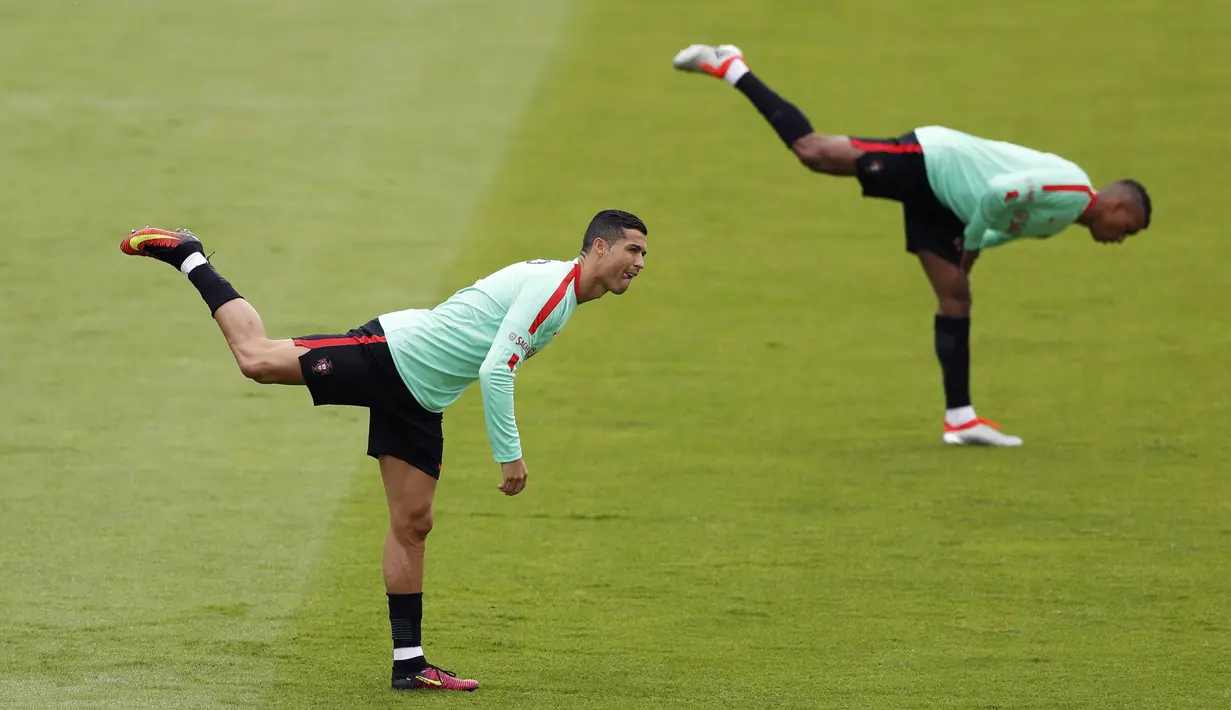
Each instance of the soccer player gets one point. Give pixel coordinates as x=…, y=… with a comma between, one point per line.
x=406, y=367
x=960, y=194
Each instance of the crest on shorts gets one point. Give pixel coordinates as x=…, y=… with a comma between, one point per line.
x=875, y=166
x=323, y=366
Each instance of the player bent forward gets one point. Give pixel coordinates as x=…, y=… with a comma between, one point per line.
x=960, y=194
x=406, y=367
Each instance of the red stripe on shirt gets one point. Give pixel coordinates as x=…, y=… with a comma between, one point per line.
x=314, y=343
x=555, y=298
x=513, y=362
x=1074, y=188
x=878, y=147
x=1069, y=188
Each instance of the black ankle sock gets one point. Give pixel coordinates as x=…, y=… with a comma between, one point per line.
x=214, y=289
x=790, y=123
x=183, y=251
x=409, y=666
x=406, y=622
x=953, y=351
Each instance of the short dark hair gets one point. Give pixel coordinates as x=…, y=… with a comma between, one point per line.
x=1142, y=196
x=609, y=225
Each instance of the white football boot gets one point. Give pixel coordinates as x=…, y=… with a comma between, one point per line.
x=704, y=58
x=978, y=432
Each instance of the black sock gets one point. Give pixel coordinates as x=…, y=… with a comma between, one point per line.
x=183, y=251
x=790, y=123
x=214, y=289
x=406, y=622
x=953, y=351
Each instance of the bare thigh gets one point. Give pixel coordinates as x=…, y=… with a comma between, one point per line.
x=950, y=284
x=408, y=491
x=270, y=362
x=832, y=155
x=277, y=361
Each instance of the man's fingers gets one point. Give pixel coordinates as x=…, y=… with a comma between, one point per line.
x=514, y=475
x=513, y=486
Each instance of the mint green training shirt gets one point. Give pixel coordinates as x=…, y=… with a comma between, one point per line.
x=1002, y=191
x=484, y=332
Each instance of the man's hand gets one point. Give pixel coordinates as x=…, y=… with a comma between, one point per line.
x=514, y=473
x=968, y=260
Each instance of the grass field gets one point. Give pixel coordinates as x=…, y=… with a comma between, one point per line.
x=738, y=497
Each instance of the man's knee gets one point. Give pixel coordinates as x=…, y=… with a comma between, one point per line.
x=264, y=363
x=411, y=525
x=832, y=155
x=957, y=301
x=258, y=367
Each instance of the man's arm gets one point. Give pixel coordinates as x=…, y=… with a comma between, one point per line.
x=510, y=347
x=496, y=376
x=1026, y=189
x=1003, y=192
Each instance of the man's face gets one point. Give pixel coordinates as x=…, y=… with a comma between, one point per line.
x=619, y=262
x=1117, y=224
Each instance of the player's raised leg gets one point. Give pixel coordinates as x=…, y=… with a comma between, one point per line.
x=828, y=154
x=259, y=358
x=409, y=493
x=952, y=330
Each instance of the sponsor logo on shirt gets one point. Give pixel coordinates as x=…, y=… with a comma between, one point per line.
x=522, y=344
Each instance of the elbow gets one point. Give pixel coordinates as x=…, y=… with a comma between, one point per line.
x=485, y=378
x=495, y=378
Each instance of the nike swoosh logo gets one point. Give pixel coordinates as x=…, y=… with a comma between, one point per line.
x=429, y=681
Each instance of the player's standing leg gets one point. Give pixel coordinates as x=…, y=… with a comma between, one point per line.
x=951, y=283
x=410, y=493
x=840, y=155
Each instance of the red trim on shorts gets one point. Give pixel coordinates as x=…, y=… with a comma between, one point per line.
x=878, y=147
x=513, y=362
x=556, y=297
x=314, y=343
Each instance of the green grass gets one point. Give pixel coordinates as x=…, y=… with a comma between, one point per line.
x=737, y=495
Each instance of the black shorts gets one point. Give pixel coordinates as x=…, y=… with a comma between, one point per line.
x=356, y=369
x=893, y=169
